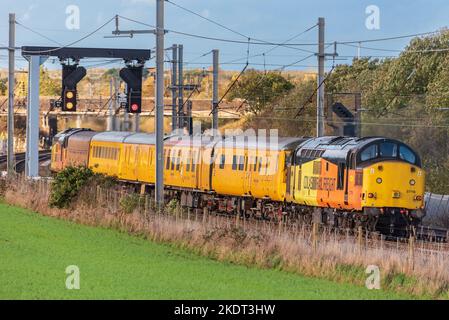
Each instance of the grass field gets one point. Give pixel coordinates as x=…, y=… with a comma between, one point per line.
x=35, y=251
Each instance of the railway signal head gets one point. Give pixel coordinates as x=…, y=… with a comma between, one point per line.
x=133, y=78
x=134, y=102
x=71, y=75
x=69, y=101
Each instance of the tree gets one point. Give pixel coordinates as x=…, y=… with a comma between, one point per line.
x=3, y=86
x=48, y=85
x=260, y=89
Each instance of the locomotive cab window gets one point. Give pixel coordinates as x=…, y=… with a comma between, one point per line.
x=407, y=155
x=388, y=150
x=369, y=153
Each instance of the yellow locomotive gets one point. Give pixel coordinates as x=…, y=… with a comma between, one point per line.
x=374, y=182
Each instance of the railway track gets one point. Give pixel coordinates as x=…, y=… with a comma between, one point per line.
x=19, y=167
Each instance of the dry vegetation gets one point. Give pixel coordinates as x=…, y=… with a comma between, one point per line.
x=290, y=248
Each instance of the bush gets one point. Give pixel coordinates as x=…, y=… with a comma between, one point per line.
x=172, y=206
x=70, y=181
x=130, y=202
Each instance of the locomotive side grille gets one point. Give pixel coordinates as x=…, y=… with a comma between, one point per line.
x=359, y=178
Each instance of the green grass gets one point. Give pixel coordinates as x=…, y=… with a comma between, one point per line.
x=35, y=251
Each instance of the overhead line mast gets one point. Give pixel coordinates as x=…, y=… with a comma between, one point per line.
x=11, y=85
x=159, y=122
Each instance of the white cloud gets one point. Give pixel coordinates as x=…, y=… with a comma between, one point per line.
x=27, y=14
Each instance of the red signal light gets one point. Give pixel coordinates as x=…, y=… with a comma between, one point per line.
x=134, y=107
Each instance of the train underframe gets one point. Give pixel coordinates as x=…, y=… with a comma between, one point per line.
x=387, y=221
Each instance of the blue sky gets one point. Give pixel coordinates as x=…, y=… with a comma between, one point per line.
x=269, y=20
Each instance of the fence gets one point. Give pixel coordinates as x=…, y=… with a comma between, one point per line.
x=134, y=212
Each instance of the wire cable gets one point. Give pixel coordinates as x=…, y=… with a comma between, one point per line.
x=390, y=38
x=72, y=43
x=221, y=25
x=399, y=51
x=257, y=42
x=279, y=45
x=199, y=57
x=205, y=18
x=269, y=43
x=39, y=34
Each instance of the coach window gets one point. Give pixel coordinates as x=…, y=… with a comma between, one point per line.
x=241, y=163
x=407, y=155
x=194, y=162
x=234, y=162
x=222, y=161
x=173, y=160
x=178, y=161
x=189, y=157
x=267, y=167
x=167, y=165
x=369, y=153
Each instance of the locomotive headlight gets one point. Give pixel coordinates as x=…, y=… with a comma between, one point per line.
x=412, y=182
x=379, y=180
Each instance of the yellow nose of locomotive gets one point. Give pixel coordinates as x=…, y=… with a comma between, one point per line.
x=393, y=185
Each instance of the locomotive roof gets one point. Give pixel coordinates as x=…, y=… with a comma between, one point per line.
x=62, y=137
x=337, y=148
x=342, y=143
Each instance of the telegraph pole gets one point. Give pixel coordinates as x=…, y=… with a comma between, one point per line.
x=320, y=94
x=215, y=90
x=159, y=119
x=11, y=86
x=181, y=87
x=174, y=89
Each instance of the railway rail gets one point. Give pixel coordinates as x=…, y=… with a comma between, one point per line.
x=19, y=167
